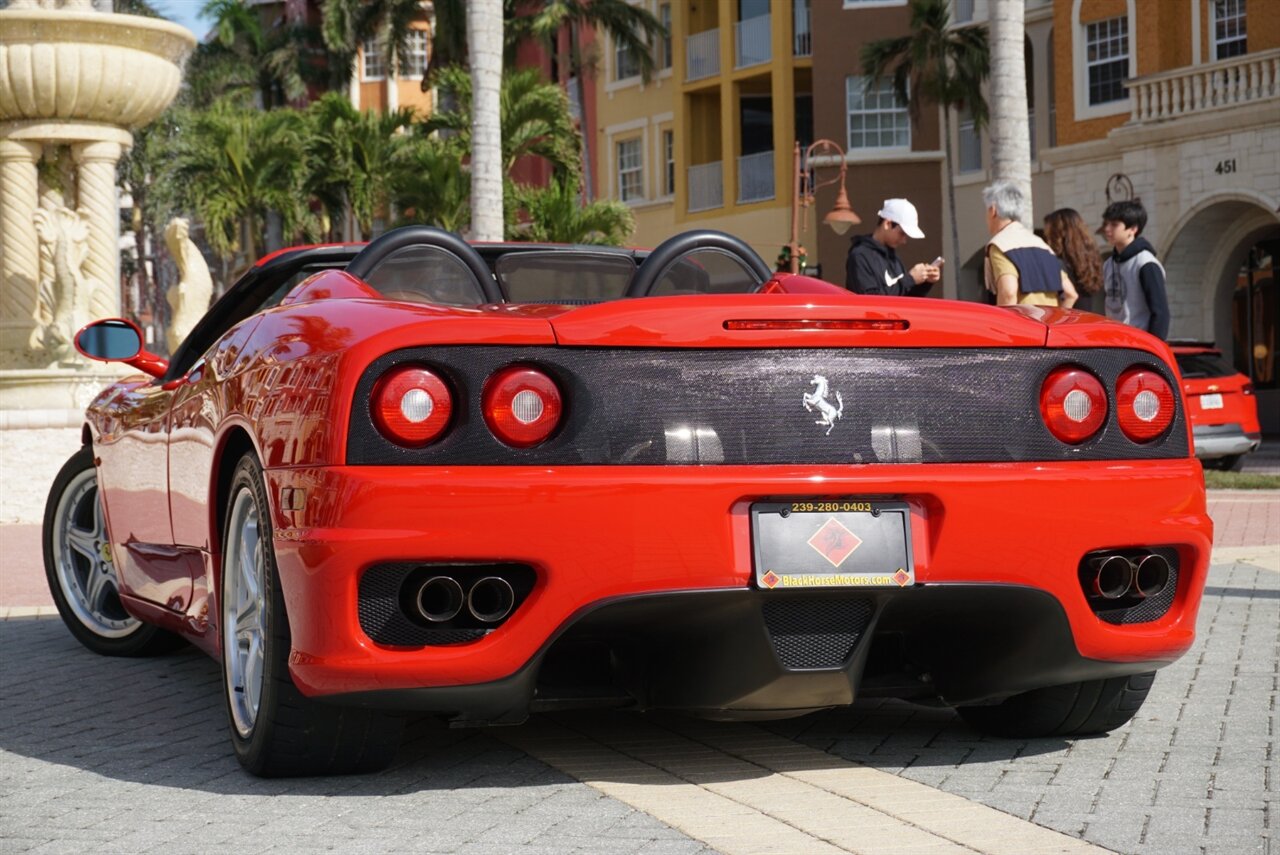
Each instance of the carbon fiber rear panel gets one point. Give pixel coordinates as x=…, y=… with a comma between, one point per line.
x=744, y=406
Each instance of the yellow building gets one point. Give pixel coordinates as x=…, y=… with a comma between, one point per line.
x=374, y=86
x=708, y=141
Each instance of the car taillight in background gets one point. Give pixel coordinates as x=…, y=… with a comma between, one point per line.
x=411, y=405
x=1073, y=404
x=1144, y=404
x=521, y=405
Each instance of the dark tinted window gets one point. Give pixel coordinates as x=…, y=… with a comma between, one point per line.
x=426, y=274
x=563, y=275
x=1194, y=365
x=707, y=271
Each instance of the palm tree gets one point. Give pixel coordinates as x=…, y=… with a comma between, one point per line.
x=233, y=166
x=1010, y=135
x=484, y=37
x=356, y=160
x=633, y=28
x=556, y=215
x=245, y=60
x=534, y=116
x=349, y=23
x=433, y=188
x=937, y=65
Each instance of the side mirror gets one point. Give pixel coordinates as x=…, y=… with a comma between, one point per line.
x=119, y=340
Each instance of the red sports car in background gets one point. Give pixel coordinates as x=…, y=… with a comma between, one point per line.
x=483, y=481
x=1220, y=404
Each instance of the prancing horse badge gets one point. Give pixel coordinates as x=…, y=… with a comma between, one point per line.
x=817, y=399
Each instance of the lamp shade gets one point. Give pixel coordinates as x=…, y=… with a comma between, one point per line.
x=841, y=217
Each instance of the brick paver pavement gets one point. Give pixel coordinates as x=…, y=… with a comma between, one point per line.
x=1196, y=771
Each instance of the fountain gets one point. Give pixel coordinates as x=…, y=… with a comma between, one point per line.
x=74, y=82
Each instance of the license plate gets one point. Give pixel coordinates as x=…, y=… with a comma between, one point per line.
x=1211, y=402
x=823, y=543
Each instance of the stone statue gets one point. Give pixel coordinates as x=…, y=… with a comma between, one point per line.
x=64, y=299
x=189, y=299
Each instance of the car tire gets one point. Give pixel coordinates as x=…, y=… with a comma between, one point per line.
x=1230, y=463
x=275, y=729
x=81, y=574
x=1075, y=709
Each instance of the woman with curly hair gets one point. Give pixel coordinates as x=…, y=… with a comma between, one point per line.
x=1070, y=240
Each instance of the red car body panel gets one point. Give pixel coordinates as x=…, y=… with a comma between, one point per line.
x=283, y=383
x=569, y=523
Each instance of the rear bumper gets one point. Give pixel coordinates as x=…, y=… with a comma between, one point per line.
x=1213, y=441
x=600, y=538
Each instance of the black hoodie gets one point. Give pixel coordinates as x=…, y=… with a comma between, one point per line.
x=873, y=268
x=1151, y=280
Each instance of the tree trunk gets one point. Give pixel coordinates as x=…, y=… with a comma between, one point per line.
x=484, y=37
x=588, y=183
x=139, y=251
x=955, y=259
x=1010, y=134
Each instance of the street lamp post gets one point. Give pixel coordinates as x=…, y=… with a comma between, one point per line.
x=841, y=217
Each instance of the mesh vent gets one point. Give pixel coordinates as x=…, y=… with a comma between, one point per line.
x=383, y=620
x=816, y=633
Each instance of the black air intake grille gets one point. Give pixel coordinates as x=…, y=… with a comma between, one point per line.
x=382, y=616
x=643, y=406
x=1151, y=608
x=816, y=633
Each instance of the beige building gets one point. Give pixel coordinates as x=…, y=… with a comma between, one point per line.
x=1195, y=127
x=1176, y=103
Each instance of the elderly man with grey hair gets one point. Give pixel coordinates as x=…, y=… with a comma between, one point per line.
x=1020, y=268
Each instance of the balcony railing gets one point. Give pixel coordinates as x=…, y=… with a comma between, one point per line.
x=755, y=177
x=702, y=55
x=803, y=35
x=1232, y=82
x=706, y=186
x=752, y=42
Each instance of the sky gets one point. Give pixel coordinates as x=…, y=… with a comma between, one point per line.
x=184, y=12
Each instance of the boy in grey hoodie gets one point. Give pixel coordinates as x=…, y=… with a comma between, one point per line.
x=1133, y=277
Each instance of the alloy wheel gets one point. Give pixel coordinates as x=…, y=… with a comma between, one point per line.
x=244, y=622
x=83, y=562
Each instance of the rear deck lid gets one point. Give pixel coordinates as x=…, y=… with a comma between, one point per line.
x=792, y=320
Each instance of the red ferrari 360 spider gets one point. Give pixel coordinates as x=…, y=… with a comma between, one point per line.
x=483, y=481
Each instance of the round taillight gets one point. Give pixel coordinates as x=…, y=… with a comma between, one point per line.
x=1073, y=404
x=1144, y=404
x=411, y=405
x=522, y=406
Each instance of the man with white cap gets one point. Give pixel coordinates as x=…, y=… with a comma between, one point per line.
x=873, y=266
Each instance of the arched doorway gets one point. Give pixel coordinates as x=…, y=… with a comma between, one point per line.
x=1220, y=268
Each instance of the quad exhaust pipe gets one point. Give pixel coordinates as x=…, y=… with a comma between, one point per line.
x=1114, y=576
x=441, y=599
x=491, y=599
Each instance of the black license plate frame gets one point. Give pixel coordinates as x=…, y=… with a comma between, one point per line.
x=806, y=543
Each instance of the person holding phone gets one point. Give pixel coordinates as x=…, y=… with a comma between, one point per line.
x=873, y=266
